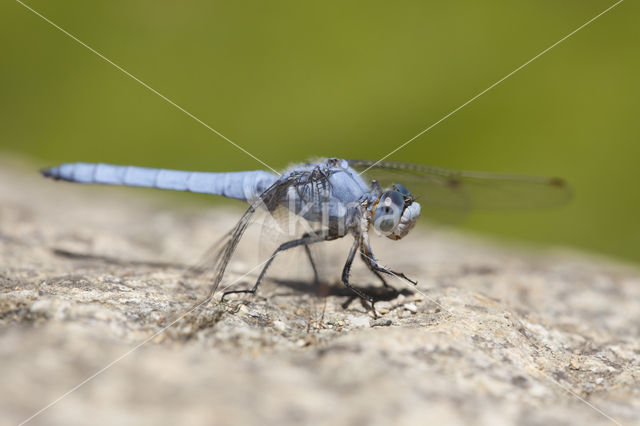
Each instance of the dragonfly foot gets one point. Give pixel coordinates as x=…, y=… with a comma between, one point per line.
x=368, y=302
x=226, y=293
x=404, y=277
x=373, y=308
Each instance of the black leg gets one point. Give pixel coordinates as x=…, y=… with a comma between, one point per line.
x=316, y=278
x=305, y=240
x=365, y=259
x=370, y=260
x=345, y=276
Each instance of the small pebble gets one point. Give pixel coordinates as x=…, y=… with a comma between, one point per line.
x=42, y=305
x=279, y=325
x=411, y=307
x=382, y=322
x=575, y=364
x=359, y=322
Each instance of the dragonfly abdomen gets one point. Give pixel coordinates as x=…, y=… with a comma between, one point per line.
x=244, y=186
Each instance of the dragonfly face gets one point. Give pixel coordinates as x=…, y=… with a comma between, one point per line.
x=395, y=212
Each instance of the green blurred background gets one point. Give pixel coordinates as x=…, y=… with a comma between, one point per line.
x=290, y=80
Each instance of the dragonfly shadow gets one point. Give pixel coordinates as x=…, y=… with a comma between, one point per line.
x=114, y=260
x=323, y=289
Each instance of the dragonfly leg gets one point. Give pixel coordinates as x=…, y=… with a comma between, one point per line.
x=345, y=277
x=316, y=278
x=365, y=259
x=305, y=240
x=372, y=263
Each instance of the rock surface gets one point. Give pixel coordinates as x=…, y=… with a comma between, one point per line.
x=89, y=276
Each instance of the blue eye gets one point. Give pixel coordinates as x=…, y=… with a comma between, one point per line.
x=388, y=211
x=408, y=198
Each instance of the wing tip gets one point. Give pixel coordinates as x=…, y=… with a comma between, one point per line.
x=562, y=186
x=557, y=182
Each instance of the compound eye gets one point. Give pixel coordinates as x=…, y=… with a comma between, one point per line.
x=403, y=190
x=388, y=212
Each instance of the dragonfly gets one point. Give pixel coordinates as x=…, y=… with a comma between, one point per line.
x=334, y=198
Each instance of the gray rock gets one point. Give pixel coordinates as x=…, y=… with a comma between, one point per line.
x=91, y=277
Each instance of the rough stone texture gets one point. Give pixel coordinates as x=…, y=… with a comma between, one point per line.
x=495, y=335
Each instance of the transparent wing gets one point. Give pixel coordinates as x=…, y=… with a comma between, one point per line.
x=285, y=222
x=279, y=224
x=210, y=269
x=443, y=188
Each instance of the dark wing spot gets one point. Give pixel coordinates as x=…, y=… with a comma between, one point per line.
x=453, y=182
x=560, y=183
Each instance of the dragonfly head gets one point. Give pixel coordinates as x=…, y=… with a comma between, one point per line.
x=395, y=212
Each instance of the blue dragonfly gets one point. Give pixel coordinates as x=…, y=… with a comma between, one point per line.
x=332, y=199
